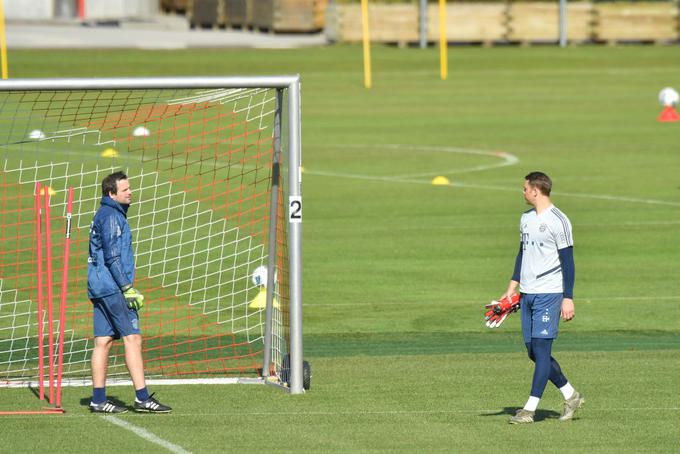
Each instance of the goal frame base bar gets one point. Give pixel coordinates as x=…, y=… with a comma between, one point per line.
x=86, y=382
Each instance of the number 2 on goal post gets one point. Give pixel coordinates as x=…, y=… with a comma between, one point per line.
x=295, y=209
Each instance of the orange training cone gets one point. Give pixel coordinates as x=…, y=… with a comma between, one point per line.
x=668, y=114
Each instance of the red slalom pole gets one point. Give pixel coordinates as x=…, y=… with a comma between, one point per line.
x=62, y=300
x=38, y=232
x=48, y=266
x=81, y=9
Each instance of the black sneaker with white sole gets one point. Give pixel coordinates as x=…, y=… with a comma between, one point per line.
x=151, y=405
x=107, y=407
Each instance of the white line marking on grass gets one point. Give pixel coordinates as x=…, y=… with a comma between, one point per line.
x=145, y=434
x=583, y=195
x=508, y=159
x=619, y=199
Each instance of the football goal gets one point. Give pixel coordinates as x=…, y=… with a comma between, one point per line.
x=214, y=167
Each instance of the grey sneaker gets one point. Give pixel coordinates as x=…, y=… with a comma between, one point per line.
x=571, y=405
x=522, y=417
x=107, y=407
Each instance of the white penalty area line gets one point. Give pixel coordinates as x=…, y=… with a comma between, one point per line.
x=507, y=160
x=145, y=434
x=612, y=198
x=397, y=179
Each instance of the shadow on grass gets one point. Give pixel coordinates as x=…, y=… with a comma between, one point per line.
x=35, y=391
x=540, y=415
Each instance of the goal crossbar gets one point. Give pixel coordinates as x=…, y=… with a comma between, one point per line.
x=146, y=83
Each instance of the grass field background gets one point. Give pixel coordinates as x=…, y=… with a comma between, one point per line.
x=396, y=270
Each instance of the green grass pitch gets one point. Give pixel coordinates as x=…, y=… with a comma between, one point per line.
x=396, y=270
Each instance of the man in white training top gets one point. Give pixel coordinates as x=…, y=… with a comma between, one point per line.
x=544, y=271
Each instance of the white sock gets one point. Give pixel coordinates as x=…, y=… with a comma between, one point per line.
x=532, y=403
x=567, y=391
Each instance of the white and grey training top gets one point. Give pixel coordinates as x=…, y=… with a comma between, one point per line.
x=542, y=235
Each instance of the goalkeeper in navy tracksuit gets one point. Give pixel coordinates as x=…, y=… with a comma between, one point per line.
x=544, y=271
x=110, y=278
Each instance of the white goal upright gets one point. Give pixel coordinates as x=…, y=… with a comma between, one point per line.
x=214, y=165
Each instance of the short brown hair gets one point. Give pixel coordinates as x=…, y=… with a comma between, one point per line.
x=541, y=181
x=110, y=183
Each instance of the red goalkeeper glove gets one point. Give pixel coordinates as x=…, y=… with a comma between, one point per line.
x=497, y=311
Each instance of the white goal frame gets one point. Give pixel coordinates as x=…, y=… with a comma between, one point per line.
x=289, y=84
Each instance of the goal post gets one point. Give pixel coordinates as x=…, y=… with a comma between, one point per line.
x=215, y=168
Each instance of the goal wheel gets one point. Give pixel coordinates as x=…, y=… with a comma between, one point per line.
x=306, y=375
x=306, y=372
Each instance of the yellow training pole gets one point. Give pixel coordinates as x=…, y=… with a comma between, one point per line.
x=3, y=41
x=443, y=44
x=367, y=43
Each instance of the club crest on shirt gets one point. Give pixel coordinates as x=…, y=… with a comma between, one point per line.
x=543, y=228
